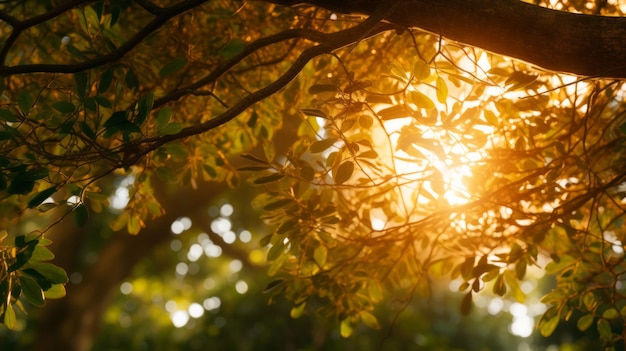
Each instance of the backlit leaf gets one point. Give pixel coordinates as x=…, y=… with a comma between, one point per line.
x=344, y=172
x=232, y=48
x=442, y=90
x=322, y=145
x=173, y=66
x=584, y=322
x=32, y=291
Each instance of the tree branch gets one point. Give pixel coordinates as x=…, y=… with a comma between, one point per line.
x=586, y=45
x=155, y=24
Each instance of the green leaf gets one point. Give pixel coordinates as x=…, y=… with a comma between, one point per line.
x=64, y=106
x=232, y=48
x=547, y=326
x=80, y=215
x=105, y=81
x=32, y=291
x=584, y=322
x=170, y=129
x=344, y=172
x=10, y=321
x=56, y=291
x=21, y=186
x=323, y=88
x=81, y=83
x=174, y=66
x=84, y=127
x=268, y=179
x=298, y=310
x=369, y=319
x=322, y=145
x=275, y=251
x=55, y=274
x=7, y=116
x=41, y=253
x=346, y=328
x=320, y=255
x=611, y=313
x=274, y=285
x=144, y=107
x=41, y=197
x=131, y=80
x=25, y=102
x=163, y=118
x=604, y=329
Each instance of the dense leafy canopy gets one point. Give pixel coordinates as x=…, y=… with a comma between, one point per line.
x=386, y=157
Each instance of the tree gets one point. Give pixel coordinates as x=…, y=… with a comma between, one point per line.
x=410, y=157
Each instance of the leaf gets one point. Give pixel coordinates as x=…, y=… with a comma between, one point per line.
x=80, y=78
x=322, y=145
x=442, y=90
x=105, y=81
x=25, y=102
x=499, y=288
x=611, y=313
x=41, y=197
x=420, y=100
x=275, y=251
x=519, y=80
x=466, y=304
x=323, y=88
x=10, y=320
x=80, y=216
x=64, y=106
x=547, y=326
x=268, y=179
x=277, y=204
x=313, y=112
x=421, y=70
x=57, y=291
x=297, y=311
x=369, y=319
x=491, y=117
x=163, y=118
x=346, y=328
x=55, y=274
x=131, y=80
x=7, y=116
x=344, y=172
x=274, y=285
x=41, y=253
x=233, y=48
x=173, y=66
x=32, y=291
x=320, y=255
x=604, y=329
x=584, y=322
x=393, y=112
x=144, y=107
x=170, y=129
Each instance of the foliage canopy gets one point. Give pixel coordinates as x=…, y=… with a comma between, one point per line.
x=414, y=158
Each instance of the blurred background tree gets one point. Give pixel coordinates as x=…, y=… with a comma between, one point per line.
x=169, y=154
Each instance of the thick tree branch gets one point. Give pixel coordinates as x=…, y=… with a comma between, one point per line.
x=584, y=45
